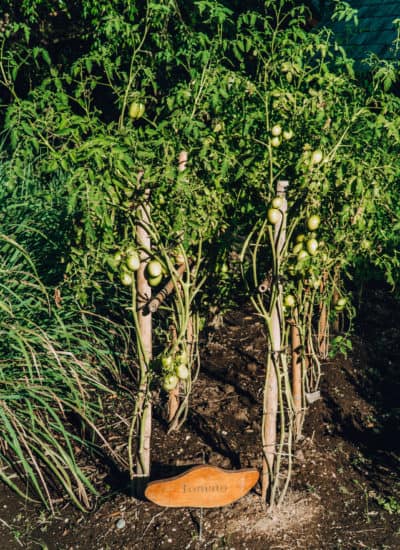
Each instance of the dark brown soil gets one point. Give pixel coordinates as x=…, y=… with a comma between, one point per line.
x=345, y=490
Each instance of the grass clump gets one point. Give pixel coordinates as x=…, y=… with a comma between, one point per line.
x=55, y=363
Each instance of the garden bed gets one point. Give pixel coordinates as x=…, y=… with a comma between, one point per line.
x=345, y=491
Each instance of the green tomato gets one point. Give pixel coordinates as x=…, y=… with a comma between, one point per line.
x=317, y=156
x=288, y=134
x=170, y=382
x=312, y=246
x=167, y=362
x=133, y=261
x=117, y=257
x=273, y=216
x=275, y=141
x=313, y=222
x=297, y=248
x=315, y=283
x=181, y=358
x=341, y=302
x=130, y=250
x=136, y=110
x=277, y=202
x=276, y=130
x=300, y=238
x=182, y=372
x=126, y=278
x=155, y=281
x=179, y=258
x=154, y=269
x=302, y=256
x=289, y=301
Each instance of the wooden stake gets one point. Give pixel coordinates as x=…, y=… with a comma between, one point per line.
x=270, y=408
x=145, y=349
x=182, y=161
x=336, y=324
x=297, y=385
x=323, y=326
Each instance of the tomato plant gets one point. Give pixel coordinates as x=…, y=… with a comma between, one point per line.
x=253, y=98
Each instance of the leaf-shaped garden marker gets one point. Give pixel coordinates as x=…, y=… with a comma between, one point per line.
x=202, y=487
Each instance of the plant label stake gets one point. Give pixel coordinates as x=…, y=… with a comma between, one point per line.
x=202, y=486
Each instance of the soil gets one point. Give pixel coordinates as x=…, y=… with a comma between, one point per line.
x=345, y=489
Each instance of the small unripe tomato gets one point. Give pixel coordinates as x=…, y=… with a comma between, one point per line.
x=297, y=247
x=155, y=281
x=133, y=261
x=117, y=258
x=154, y=268
x=315, y=283
x=181, y=358
x=313, y=222
x=170, y=382
x=126, y=278
x=275, y=141
x=277, y=202
x=341, y=302
x=136, y=110
x=130, y=250
x=113, y=261
x=167, y=361
x=276, y=130
x=180, y=258
x=288, y=134
x=289, y=301
x=312, y=246
x=182, y=372
x=302, y=256
x=273, y=216
x=317, y=156
x=300, y=238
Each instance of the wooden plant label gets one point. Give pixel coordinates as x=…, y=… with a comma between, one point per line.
x=202, y=487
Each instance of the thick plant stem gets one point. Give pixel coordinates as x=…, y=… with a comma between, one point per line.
x=271, y=393
x=173, y=396
x=144, y=328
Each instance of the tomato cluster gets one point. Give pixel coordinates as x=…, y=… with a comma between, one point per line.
x=175, y=368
